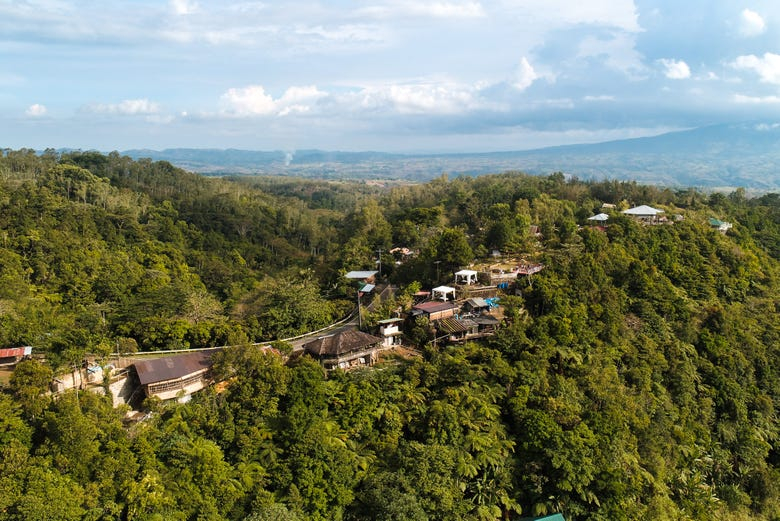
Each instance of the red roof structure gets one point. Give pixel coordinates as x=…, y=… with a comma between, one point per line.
x=14, y=352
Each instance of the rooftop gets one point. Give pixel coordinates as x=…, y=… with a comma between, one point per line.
x=454, y=325
x=358, y=275
x=433, y=306
x=173, y=367
x=643, y=210
x=477, y=302
x=340, y=343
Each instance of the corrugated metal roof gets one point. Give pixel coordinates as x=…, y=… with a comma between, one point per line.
x=389, y=321
x=360, y=274
x=15, y=351
x=454, y=325
x=486, y=320
x=341, y=343
x=477, y=302
x=173, y=367
x=434, y=307
x=643, y=210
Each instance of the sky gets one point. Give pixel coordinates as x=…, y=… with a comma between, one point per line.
x=384, y=75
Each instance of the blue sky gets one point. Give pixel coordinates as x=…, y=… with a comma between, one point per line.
x=400, y=75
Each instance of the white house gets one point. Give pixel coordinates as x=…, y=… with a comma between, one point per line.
x=644, y=213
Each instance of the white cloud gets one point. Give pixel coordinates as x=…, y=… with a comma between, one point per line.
x=415, y=98
x=343, y=33
x=36, y=110
x=430, y=99
x=751, y=23
x=618, y=52
x=446, y=9
x=525, y=75
x=254, y=101
x=599, y=98
x=767, y=67
x=675, y=69
x=128, y=107
x=184, y=7
x=612, y=13
x=464, y=10
x=756, y=100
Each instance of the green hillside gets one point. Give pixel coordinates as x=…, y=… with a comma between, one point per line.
x=637, y=377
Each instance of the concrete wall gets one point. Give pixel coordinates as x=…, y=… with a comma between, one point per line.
x=121, y=390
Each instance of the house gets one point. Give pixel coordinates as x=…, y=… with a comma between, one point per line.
x=457, y=330
x=644, y=213
x=344, y=350
x=476, y=306
x=486, y=324
x=12, y=355
x=466, y=277
x=722, y=226
x=368, y=277
x=599, y=218
x=443, y=293
x=388, y=330
x=463, y=328
x=435, y=310
x=172, y=376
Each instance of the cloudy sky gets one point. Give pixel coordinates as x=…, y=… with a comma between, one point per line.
x=387, y=75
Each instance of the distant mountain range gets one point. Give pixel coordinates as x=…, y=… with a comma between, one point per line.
x=715, y=157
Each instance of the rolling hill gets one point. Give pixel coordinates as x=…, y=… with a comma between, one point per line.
x=714, y=157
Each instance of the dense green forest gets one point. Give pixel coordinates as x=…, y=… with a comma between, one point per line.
x=638, y=377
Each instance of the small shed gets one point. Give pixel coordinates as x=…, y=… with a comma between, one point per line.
x=486, y=324
x=466, y=277
x=599, y=218
x=344, y=350
x=12, y=355
x=476, y=305
x=443, y=293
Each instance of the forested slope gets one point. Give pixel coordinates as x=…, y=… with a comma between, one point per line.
x=637, y=377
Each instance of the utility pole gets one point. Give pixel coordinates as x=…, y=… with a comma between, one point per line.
x=360, y=318
x=437, y=270
x=379, y=256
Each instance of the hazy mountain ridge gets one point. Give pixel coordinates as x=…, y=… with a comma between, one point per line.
x=719, y=156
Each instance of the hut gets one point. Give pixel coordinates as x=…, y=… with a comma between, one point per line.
x=344, y=350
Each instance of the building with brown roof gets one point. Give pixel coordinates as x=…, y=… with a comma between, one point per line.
x=344, y=350
x=175, y=376
x=435, y=310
